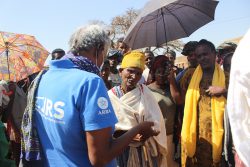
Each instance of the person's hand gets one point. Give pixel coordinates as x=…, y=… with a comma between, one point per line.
x=215, y=90
x=147, y=130
x=171, y=76
x=138, y=137
x=174, y=69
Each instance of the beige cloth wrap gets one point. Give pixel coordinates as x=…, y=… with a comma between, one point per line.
x=140, y=103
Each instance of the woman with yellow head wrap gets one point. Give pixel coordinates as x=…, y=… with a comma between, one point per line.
x=134, y=103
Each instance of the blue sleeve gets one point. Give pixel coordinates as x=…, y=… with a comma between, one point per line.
x=96, y=109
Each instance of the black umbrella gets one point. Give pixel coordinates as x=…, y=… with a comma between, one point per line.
x=162, y=21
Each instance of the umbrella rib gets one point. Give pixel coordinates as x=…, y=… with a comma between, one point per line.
x=23, y=66
x=165, y=33
x=175, y=17
x=13, y=40
x=194, y=8
x=2, y=52
x=175, y=3
x=32, y=45
x=22, y=52
x=137, y=32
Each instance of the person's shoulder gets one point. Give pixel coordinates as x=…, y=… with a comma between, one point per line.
x=82, y=77
x=144, y=88
x=91, y=77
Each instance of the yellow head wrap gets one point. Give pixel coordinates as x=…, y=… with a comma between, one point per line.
x=133, y=59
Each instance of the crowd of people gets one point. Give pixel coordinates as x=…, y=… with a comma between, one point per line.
x=116, y=107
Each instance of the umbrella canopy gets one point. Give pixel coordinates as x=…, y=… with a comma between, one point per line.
x=20, y=56
x=162, y=21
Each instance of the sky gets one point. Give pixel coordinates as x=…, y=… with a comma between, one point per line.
x=53, y=21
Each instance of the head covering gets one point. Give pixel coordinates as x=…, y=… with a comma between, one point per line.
x=189, y=47
x=226, y=46
x=134, y=59
x=113, y=53
x=159, y=61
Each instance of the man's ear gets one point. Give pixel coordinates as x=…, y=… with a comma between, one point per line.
x=100, y=47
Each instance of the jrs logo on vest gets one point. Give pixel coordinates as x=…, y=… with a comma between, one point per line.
x=52, y=111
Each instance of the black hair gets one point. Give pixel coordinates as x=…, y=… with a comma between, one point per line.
x=207, y=43
x=58, y=50
x=189, y=47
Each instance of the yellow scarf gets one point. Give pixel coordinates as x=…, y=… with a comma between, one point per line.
x=189, y=131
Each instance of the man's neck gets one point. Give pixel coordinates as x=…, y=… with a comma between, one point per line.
x=209, y=72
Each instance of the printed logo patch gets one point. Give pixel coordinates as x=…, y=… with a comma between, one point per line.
x=102, y=102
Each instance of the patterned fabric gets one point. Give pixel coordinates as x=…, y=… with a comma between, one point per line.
x=30, y=145
x=117, y=91
x=82, y=63
x=22, y=53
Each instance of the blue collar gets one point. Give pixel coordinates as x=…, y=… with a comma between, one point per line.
x=79, y=62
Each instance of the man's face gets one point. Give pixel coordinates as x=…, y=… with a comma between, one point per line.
x=192, y=59
x=122, y=47
x=113, y=61
x=171, y=58
x=148, y=59
x=205, y=57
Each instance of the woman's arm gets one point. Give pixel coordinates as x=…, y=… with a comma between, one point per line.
x=102, y=148
x=174, y=90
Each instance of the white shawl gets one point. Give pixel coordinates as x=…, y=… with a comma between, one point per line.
x=238, y=101
x=139, y=103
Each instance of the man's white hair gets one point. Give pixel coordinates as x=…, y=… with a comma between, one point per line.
x=88, y=37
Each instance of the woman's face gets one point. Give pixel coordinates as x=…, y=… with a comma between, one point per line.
x=130, y=76
x=161, y=75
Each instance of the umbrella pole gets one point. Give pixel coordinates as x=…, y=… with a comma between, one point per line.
x=165, y=32
x=7, y=54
